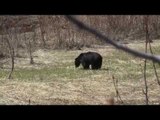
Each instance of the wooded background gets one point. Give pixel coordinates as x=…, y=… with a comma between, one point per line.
x=56, y=32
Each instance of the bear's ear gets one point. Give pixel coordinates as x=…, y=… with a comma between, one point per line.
x=76, y=59
x=81, y=55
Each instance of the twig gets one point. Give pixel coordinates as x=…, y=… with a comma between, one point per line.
x=29, y=102
x=145, y=82
x=155, y=70
x=115, y=82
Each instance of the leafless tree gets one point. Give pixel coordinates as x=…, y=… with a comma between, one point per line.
x=42, y=29
x=11, y=51
x=29, y=48
x=146, y=19
x=10, y=39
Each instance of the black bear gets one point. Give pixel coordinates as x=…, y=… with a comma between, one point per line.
x=88, y=59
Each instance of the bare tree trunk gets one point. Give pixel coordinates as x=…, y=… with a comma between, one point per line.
x=42, y=30
x=43, y=36
x=30, y=53
x=29, y=48
x=11, y=51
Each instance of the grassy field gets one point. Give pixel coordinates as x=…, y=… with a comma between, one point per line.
x=53, y=79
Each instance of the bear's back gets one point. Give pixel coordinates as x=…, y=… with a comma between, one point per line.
x=95, y=54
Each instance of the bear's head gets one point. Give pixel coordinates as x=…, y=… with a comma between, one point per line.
x=77, y=62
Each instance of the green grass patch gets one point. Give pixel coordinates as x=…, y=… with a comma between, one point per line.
x=50, y=74
x=118, y=63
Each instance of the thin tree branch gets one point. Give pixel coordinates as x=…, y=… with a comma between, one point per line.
x=147, y=41
x=115, y=82
x=145, y=92
x=107, y=40
x=154, y=66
